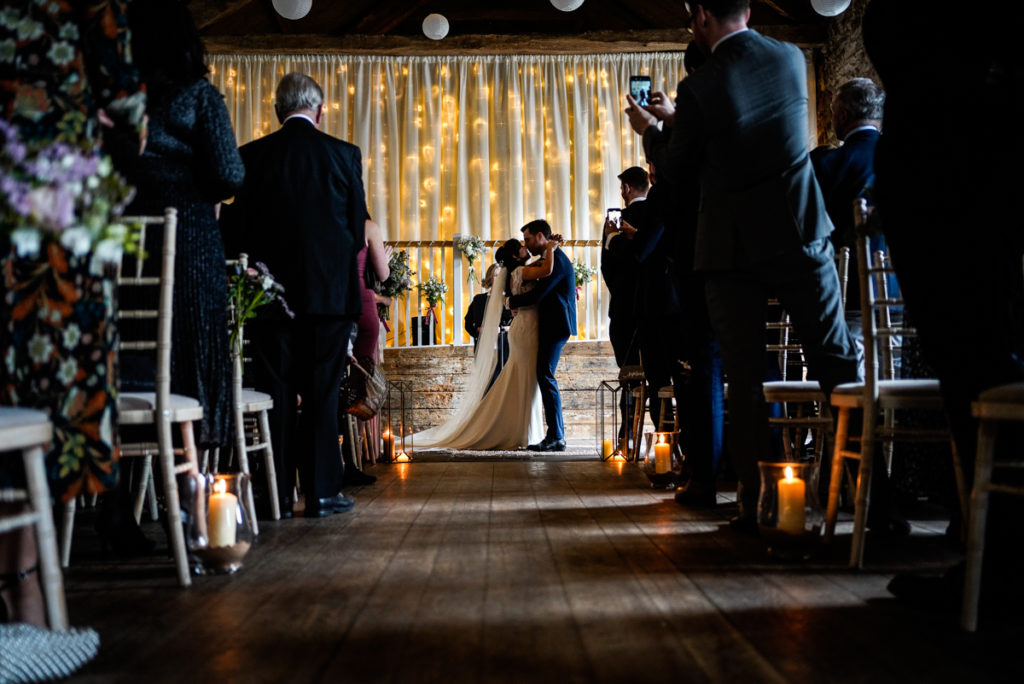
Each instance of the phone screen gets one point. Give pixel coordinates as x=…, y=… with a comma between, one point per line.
x=615, y=216
x=640, y=89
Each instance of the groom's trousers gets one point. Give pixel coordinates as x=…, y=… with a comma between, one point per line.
x=548, y=353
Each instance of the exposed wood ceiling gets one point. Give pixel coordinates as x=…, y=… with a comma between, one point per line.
x=478, y=25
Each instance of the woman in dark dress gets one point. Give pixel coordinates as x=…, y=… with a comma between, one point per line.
x=191, y=162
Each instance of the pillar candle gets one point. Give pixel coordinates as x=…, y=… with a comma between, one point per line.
x=223, y=507
x=607, y=448
x=791, y=503
x=389, y=446
x=662, y=456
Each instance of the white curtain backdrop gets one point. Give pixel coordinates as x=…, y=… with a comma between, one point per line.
x=475, y=145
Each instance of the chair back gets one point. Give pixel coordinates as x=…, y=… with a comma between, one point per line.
x=136, y=279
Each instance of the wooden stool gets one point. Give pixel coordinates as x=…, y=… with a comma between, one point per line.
x=667, y=395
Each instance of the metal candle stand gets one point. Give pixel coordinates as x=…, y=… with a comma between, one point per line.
x=609, y=391
x=395, y=415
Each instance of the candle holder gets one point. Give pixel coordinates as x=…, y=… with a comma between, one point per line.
x=393, y=422
x=219, y=530
x=788, y=512
x=663, y=459
x=606, y=422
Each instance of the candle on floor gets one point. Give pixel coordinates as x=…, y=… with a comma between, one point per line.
x=792, y=499
x=402, y=457
x=388, y=454
x=223, y=508
x=606, y=448
x=662, y=455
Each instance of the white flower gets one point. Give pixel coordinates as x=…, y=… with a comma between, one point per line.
x=8, y=49
x=61, y=53
x=72, y=336
x=39, y=348
x=267, y=282
x=67, y=371
x=10, y=17
x=108, y=251
x=105, y=167
x=9, y=359
x=29, y=30
x=92, y=182
x=26, y=242
x=69, y=32
x=77, y=240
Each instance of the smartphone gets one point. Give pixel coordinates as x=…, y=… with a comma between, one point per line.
x=615, y=216
x=640, y=89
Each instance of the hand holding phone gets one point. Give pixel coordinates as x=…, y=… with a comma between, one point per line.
x=640, y=89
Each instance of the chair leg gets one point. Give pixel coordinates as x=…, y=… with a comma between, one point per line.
x=976, y=524
x=863, y=498
x=67, y=530
x=46, y=539
x=638, y=423
x=268, y=462
x=177, y=534
x=834, y=484
x=962, y=495
x=154, y=514
x=145, y=482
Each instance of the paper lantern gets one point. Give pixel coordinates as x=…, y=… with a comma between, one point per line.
x=435, y=26
x=293, y=9
x=830, y=8
x=567, y=5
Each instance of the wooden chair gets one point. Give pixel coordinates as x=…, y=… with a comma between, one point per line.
x=28, y=431
x=994, y=406
x=251, y=408
x=879, y=396
x=803, y=401
x=159, y=408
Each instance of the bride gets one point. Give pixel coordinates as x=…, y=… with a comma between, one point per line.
x=509, y=415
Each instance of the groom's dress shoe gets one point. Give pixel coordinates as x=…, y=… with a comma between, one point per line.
x=553, y=445
x=339, y=503
x=539, y=446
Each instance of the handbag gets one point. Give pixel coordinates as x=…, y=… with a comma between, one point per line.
x=362, y=394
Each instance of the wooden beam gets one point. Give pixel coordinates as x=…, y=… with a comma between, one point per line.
x=665, y=40
x=212, y=11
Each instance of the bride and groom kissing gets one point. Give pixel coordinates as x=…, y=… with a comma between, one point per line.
x=543, y=297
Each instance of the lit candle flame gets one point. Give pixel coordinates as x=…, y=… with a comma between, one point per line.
x=220, y=486
x=789, y=472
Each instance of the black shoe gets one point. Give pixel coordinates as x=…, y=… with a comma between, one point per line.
x=553, y=445
x=287, y=506
x=889, y=525
x=539, y=446
x=339, y=503
x=696, y=495
x=745, y=524
x=357, y=478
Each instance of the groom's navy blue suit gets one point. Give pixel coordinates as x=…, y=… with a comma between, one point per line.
x=555, y=297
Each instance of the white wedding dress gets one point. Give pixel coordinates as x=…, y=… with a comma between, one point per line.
x=510, y=414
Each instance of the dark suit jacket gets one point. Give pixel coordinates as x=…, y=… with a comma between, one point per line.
x=743, y=118
x=475, y=316
x=843, y=174
x=302, y=212
x=620, y=275
x=555, y=297
x=650, y=255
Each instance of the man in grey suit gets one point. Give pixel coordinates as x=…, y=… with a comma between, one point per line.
x=762, y=229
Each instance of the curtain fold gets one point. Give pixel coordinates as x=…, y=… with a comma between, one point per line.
x=475, y=145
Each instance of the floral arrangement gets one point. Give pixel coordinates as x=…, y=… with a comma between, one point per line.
x=248, y=290
x=433, y=291
x=472, y=247
x=584, y=273
x=398, y=283
x=63, y=193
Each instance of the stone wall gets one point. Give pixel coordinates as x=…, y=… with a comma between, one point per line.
x=435, y=375
x=841, y=59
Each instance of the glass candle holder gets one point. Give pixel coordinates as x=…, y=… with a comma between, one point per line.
x=788, y=512
x=663, y=459
x=220, y=532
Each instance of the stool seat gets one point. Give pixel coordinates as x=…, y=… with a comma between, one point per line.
x=796, y=391
x=921, y=393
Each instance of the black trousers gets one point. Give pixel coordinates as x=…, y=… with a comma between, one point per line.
x=304, y=358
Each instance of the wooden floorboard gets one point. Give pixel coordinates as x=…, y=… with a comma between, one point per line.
x=524, y=570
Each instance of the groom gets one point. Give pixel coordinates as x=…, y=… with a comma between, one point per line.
x=555, y=297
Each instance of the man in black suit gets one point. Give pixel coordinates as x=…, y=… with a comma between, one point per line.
x=762, y=227
x=620, y=276
x=555, y=297
x=302, y=211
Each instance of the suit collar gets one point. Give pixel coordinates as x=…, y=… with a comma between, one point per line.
x=725, y=38
x=298, y=119
x=861, y=132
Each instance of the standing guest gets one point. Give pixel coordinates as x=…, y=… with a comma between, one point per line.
x=762, y=226
x=191, y=162
x=68, y=69
x=475, y=318
x=302, y=212
x=373, y=260
x=620, y=276
x=947, y=180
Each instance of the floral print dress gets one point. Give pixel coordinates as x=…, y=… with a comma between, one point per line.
x=59, y=62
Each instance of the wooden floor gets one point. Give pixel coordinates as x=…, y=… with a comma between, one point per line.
x=513, y=571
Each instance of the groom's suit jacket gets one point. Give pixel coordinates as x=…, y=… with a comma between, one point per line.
x=743, y=118
x=555, y=297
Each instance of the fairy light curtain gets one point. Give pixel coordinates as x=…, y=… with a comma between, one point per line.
x=475, y=145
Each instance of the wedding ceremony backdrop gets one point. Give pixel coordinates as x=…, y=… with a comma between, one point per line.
x=472, y=145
